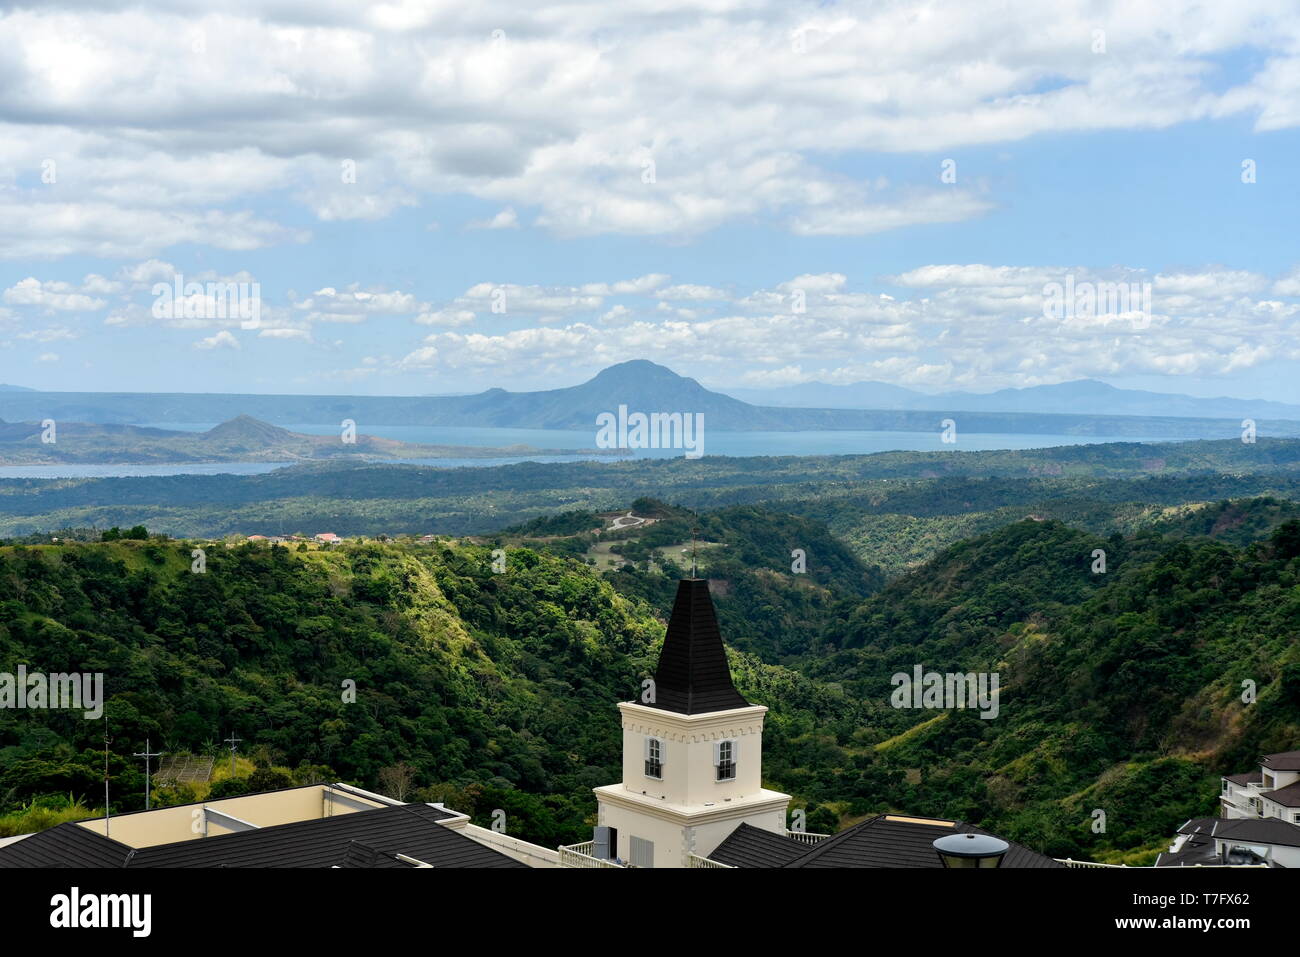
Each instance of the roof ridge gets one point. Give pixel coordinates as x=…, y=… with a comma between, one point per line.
x=693, y=675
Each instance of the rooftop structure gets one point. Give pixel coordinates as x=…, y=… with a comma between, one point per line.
x=887, y=840
x=330, y=825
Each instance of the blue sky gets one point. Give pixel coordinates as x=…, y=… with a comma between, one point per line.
x=783, y=172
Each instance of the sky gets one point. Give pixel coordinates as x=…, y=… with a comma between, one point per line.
x=435, y=197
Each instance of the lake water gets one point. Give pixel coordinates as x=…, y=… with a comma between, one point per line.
x=715, y=443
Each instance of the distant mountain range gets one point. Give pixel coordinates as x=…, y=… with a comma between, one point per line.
x=1089, y=408
x=241, y=439
x=1082, y=395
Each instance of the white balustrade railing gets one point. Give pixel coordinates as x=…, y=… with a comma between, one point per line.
x=580, y=855
x=1070, y=862
x=1073, y=863
x=805, y=837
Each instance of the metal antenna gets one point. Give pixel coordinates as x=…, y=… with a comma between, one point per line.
x=694, y=569
x=147, y=755
x=232, y=741
x=107, y=740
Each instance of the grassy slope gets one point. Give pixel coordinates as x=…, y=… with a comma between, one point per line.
x=1120, y=691
x=499, y=690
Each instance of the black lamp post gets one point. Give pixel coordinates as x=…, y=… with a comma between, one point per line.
x=971, y=850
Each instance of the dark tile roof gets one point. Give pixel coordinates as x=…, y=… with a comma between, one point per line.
x=749, y=846
x=1288, y=796
x=1250, y=777
x=1196, y=850
x=410, y=829
x=897, y=841
x=363, y=855
x=1200, y=825
x=1282, y=761
x=65, y=845
x=1251, y=830
x=884, y=841
x=370, y=838
x=1199, y=848
x=693, y=676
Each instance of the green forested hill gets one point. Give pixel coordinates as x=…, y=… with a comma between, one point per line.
x=848, y=493
x=1238, y=522
x=763, y=605
x=498, y=690
x=1120, y=692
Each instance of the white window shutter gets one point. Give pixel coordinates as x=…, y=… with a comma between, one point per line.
x=735, y=751
x=717, y=753
x=647, y=747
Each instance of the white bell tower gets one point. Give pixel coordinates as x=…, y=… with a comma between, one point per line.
x=692, y=755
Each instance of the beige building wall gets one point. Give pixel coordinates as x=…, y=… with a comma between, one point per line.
x=689, y=775
x=677, y=832
x=187, y=822
x=533, y=855
x=689, y=811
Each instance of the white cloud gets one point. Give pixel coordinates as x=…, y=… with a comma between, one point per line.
x=506, y=219
x=36, y=228
x=962, y=326
x=691, y=291
x=1215, y=283
x=1288, y=285
x=976, y=274
x=528, y=299
x=50, y=296
x=284, y=332
x=736, y=103
x=823, y=282
x=354, y=304
x=51, y=334
x=913, y=208
x=221, y=340
x=148, y=272
x=637, y=286
x=446, y=317
x=97, y=285
x=341, y=202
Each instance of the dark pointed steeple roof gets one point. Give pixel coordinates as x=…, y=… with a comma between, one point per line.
x=693, y=676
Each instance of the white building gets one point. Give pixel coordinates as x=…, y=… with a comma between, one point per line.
x=692, y=752
x=692, y=792
x=1259, y=820
x=1272, y=791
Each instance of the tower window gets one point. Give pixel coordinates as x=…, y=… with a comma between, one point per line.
x=724, y=760
x=654, y=758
